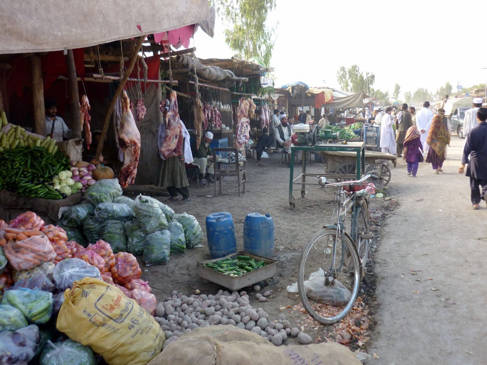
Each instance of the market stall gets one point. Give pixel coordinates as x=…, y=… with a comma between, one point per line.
x=89, y=71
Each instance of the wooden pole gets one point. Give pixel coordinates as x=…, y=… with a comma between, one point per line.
x=74, y=96
x=38, y=95
x=106, y=123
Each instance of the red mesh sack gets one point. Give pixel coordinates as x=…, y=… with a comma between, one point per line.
x=139, y=284
x=29, y=253
x=107, y=278
x=92, y=258
x=27, y=220
x=127, y=292
x=104, y=249
x=146, y=300
x=74, y=247
x=126, y=268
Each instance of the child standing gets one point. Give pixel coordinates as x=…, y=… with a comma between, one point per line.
x=413, y=150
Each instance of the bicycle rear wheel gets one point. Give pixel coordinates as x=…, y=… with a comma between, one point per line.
x=332, y=264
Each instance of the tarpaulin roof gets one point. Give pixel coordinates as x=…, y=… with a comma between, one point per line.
x=54, y=25
x=351, y=101
x=455, y=103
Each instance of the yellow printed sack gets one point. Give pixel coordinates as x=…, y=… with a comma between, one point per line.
x=99, y=315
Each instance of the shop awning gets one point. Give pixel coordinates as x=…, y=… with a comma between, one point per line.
x=53, y=25
x=351, y=101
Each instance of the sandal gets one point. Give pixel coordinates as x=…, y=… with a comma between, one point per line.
x=476, y=206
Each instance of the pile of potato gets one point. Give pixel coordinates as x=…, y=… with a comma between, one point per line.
x=180, y=314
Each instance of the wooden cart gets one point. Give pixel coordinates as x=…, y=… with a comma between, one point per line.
x=376, y=164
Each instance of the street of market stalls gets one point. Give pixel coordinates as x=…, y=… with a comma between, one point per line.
x=267, y=192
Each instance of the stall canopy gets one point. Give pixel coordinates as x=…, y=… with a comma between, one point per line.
x=454, y=103
x=53, y=25
x=351, y=101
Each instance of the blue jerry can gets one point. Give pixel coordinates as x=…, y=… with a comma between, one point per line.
x=220, y=232
x=259, y=235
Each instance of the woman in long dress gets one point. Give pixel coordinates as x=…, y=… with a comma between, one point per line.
x=438, y=138
x=174, y=176
x=387, y=136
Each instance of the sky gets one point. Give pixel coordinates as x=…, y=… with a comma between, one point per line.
x=417, y=44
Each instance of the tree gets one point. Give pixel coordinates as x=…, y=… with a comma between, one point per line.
x=397, y=90
x=246, y=30
x=381, y=97
x=353, y=80
x=444, y=91
x=421, y=95
x=408, y=97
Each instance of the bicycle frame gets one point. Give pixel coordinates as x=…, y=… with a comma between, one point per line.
x=346, y=201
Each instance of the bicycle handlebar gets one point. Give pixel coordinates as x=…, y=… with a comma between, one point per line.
x=349, y=183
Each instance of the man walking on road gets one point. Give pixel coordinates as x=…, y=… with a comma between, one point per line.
x=470, y=119
x=403, y=124
x=476, y=149
x=423, y=122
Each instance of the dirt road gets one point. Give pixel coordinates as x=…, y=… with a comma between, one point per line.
x=431, y=271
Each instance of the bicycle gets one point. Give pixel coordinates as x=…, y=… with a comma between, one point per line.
x=336, y=257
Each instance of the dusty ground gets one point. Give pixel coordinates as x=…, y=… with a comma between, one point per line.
x=431, y=272
x=267, y=192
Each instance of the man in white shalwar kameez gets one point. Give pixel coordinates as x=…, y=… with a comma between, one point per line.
x=470, y=118
x=387, y=136
x=423, y=122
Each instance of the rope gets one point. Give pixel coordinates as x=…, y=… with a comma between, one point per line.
x=100, y=69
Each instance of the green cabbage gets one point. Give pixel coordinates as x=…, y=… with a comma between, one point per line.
x=11, y=318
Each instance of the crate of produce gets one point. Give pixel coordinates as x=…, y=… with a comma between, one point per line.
x=237, y=279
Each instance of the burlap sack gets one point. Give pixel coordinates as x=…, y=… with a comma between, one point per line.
x=229, y=345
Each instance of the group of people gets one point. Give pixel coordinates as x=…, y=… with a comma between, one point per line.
x=414, y=136
x=427, y=134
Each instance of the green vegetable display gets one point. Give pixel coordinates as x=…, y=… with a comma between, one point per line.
x=11, y=318
x=236, y=266
x=18, y=137
x=35, y=305
x=29, y=171
x=3, y=260
x=67, y=352
x=192, y=229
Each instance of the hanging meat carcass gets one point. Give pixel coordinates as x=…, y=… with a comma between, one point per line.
x=199, y=117
x=129, y=142
x=140, y=110
x=86, y=118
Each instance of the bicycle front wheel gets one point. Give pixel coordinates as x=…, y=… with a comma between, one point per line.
x=360, y=231
x=329, y=276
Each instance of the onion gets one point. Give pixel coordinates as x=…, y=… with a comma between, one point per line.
x=91, y=167
x=91, y=182
x=86, y=178
x=75, y=171
x=83, y=170
x=76, y=178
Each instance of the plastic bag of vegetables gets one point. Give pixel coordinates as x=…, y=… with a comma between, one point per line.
x=149, y=214
x=125, y=200
x=118, y=211
x=75, y=215
x=135, y=238
x=104, y=249
x=27, y=220
x=157, y=248
x=70, y=270
x=178, y=241
x=92, y=258
x=74, y=234
x=67, y=352
x=167, y=210
x=192, y=229
x=103, y=191
x=11, y=318
x=18, y=347
x=35, y=279
x=114, y=234
x=92, y=229
x=3, y=260
x=35, y=305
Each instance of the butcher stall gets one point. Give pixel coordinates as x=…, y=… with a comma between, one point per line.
x=103, y=75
